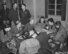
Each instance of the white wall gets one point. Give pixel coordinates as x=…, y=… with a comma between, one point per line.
x=40, y=10
x=66, y=22
x=67, y=12
x=40, y=7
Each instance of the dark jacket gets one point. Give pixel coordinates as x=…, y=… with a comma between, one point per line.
x=3, y=16
x=43, y=39
x=25, y=16
x=13, y=15
x=61, y=35
x=4, y=13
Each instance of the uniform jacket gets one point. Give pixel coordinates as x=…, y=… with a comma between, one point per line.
x=61, y=34
x=25, y=16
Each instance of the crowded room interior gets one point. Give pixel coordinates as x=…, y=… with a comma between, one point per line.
x=33, y=26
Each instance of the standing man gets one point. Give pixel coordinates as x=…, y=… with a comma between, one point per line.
x=24, y=15
x=4, y=14
x=13, y=14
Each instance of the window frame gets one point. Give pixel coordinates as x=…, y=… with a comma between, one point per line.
x=55, y=9
x=63, y=14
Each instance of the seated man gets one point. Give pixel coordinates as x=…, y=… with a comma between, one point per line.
x=61, y=33
x=51, y=23
x=29, y=26
x=31, y=46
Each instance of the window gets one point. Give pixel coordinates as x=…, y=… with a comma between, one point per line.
x=15, y=1
x=55, y=7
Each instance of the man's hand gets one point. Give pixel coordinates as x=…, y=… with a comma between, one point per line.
x=50, y=40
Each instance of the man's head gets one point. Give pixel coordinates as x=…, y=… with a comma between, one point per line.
x=50, y=21
x=15, y=5
x=57, y=24
x=42, y=19
x=23, y=7
x=4, y=5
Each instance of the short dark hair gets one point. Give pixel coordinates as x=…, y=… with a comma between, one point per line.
x=42, y=17
x=57, y=23
x=4, y=3
x=50, y=20
x=24, y=4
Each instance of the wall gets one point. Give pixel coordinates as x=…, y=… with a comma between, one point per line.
x=40, y=10
x=66, y=22
x=40, y=7
x=67, y=12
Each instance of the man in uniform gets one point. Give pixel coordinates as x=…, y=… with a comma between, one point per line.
x=24, y=15
x=13, y=14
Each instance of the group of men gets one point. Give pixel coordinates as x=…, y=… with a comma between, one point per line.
x=49, y=39
x=43, y=37
x=17, y=12
x=11, y=17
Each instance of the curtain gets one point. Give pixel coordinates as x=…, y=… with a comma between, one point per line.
x=46, y=7
x=63, y=16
